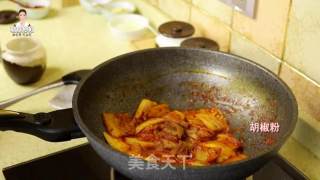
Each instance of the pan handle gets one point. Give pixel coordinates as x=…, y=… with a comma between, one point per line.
x=54, y=126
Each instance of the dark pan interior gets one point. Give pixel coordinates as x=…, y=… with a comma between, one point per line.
x=185, y=79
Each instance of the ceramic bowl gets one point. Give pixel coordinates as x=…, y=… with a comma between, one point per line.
x=128, y=26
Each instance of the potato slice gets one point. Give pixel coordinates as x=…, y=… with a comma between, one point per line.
x=199, y=133
x=201, y=155
x=136, y=141
x=229, y=140
x=197, y=163
x=169, y=144
x=158, y=111
x=211, y=122
x=116, y=143
x=212, y=144
x=112, y=124
x=204, y=154
x=226, y=151
x=119, y=125
x=170, y=128
x=192, y=119
x=144, y=107
x=135, y=150
x=147, y=123
x=177, y=117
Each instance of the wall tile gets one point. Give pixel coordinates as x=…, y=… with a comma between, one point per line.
x=153, y=2
x=302, y=48
x=211, y=28
x=58, y=4
x=68, y=3
x=243, y=47
x=177, y=9
x=308, y=134
x=269, y=26
x=215, y=8
x=306, y=91
x=301, y=158
x=155, y=16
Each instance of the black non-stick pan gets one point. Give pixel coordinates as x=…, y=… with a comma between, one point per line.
x=247, y=93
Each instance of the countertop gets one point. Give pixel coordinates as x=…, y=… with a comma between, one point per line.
x=75, y=39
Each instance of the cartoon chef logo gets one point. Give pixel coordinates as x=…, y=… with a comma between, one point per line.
x=22, y=28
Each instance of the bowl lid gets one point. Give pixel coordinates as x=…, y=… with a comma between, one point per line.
x=176, y=29
x=200, y=42
x=8, y=16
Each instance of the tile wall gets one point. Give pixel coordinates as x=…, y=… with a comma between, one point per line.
x=283, y=37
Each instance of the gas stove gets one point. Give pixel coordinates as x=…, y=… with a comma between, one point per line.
x=82, y=163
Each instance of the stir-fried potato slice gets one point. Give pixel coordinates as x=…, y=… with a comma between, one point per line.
x=168, y=144
x=158, y=111
x=144, y=107
x=136, y=141
x=112, y=124
x=135, y=150
x=206, y=155
x=174, y=129
x=201, y=156
x=199, y=133
x=177, y=117
x=116, y=143
x=225, y=151
x=147, y=123
x=192, y=119
x=118, y=126
x=228, y=140
x=197, y=163
x=211, y=121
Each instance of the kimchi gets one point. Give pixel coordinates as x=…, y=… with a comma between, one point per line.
x=201, y=135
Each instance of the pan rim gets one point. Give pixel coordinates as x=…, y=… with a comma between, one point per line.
x=102, y=144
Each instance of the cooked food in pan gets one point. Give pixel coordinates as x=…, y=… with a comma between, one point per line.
x=195, y=137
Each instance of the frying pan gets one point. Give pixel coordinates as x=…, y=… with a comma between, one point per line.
x=185, y=79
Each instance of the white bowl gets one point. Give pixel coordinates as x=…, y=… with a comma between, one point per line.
x=39, y=12
x=117, y=7
x=93, y=6
x=163, y=41
x=128, y=26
